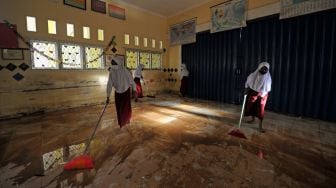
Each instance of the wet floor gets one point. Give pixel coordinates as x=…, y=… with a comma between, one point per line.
x=171, y=142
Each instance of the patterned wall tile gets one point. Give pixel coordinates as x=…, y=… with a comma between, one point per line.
x=24, y=66
x=18, y=76
x=11, y=66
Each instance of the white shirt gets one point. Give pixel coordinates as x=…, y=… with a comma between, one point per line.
x=119, y=78
x=138, y=71
x=184, y=71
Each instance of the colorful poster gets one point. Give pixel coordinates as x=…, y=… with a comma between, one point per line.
x=292, y=8
x=228, y=15
x=183, y=33
x=116, y=12
x=76, y=3
x=98, y=6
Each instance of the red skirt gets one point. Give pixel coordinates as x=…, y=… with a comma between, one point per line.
x=138, y=87
x=255, y=104
x=123, y=107
x=184, y=86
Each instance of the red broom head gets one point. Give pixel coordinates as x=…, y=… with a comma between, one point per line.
x=80, y=162
x=237, y=133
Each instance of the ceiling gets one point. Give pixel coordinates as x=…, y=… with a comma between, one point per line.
x=165, y=8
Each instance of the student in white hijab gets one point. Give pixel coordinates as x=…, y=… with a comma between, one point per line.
x=122, y=81
x=137, y=77
x=258, y=85
x=184, y=80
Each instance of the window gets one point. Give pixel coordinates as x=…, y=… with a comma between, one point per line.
x=31, y=23
x=70, y=30
x=94, y=58
x=100, y=34
x=156, y=61
x=86, y=32
x=71, y=56
x=136, y=41
x=126, y=38
x=161, y=45
x=132, y=59
x=151, y=60
x=145, y=42
x=51, y=27
x=153, y=43
x=46, y=61
x=145, y=59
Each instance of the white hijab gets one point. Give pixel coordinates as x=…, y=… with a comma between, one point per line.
x=260, y=82
x=184, y=70
x=119, y=77
x=138, y=71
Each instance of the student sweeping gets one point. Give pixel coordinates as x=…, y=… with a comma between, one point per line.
x=184, y=80
x=257, y=85
x=122, y=81
x=137, y=77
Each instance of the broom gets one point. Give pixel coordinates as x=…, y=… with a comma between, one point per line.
x=237, y=132
x=84, y=161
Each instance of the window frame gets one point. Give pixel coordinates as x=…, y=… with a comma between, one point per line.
x=103, y=57
x=81, y=55
x=59, y=55
x=32, y=55
x=73, y=27
x=160, y=61
x=138, y=58
x=35, y=24
x=49, y=21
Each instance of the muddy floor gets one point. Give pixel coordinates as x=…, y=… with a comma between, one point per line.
x=171, y=142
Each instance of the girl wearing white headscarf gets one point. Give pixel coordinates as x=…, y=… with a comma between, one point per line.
x=258, y=84
x=184, y=79
x=137, y=77
x=121, y=79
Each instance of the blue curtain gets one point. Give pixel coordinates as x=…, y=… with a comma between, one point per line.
x=301, y=53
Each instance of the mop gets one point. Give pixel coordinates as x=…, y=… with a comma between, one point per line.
x=84, y=161
x=237, y=132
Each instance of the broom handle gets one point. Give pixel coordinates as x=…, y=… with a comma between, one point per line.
x=93, y=133
x=242, y=111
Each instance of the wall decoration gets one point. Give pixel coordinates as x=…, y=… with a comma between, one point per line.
x=228, y=15
x=116, y=12
x=81, y=4
x=12, y=54
x=8, y=38
x=98, y=6
x=183, y=33
x=11, y=66
x=23, y=66
x=292, y=8
x=18, y=76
